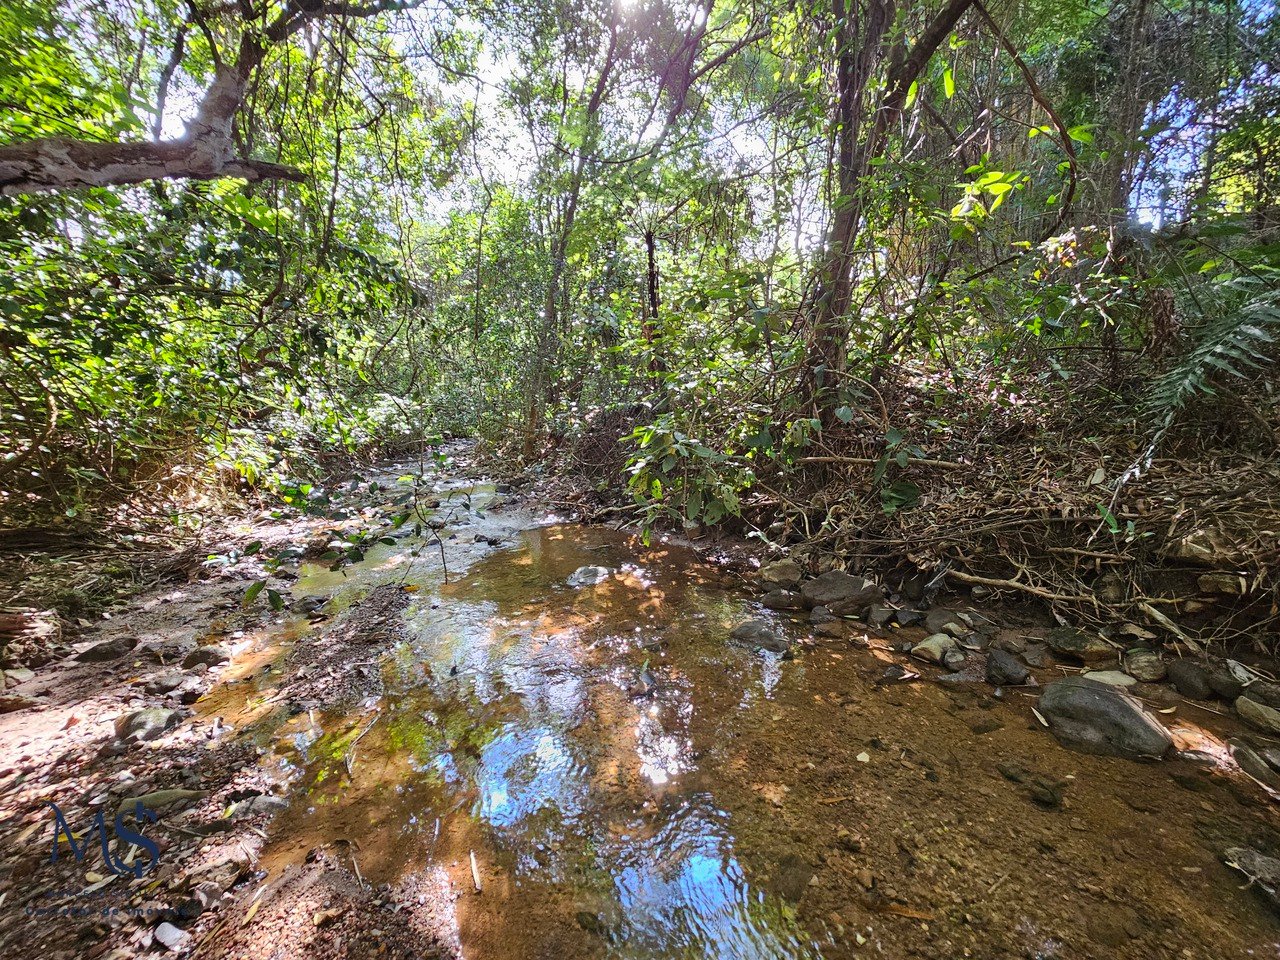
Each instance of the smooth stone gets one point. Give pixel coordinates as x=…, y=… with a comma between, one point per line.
x=1079, y=645
x=172, y=937
x=1259, y=714
x=1223, y=682
x=161, y=799
x=589, y=576
x=1271, y=755
x=1114, y=678
x=1005, y=670
x=107, y=650
x=1190, y=679
x=821, y=615
x=784, y=574
x=836, y=586
x=934, y=648
x=146, y=724
x=954, y=660
x=1096, y=718
x=256, y=806
x=1254, y=765
x=164, y=683
x=1145, y=665
x=879, y=616
x=945, y=621
x=781, y=600
x=210, y=656
x=759, y=635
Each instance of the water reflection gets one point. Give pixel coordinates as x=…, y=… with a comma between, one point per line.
x=555, y=720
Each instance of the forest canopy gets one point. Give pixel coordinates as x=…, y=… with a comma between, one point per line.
x=716, y=251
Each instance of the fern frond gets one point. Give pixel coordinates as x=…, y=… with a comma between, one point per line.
x=1239, y=321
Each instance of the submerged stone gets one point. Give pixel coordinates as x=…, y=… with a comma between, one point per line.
x=759, y=635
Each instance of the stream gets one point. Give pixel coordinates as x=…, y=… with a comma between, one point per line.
x=567, y=740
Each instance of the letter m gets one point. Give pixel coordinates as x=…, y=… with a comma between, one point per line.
x=79, y=848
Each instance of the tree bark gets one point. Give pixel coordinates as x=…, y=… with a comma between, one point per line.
x=207, y=151
x=861, y=50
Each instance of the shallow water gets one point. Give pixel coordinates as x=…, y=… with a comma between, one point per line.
x=631, y=785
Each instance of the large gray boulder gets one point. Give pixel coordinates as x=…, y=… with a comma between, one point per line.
x=1096, y=718
x=840, y=591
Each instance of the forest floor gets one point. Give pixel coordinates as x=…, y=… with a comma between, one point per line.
x=506, y=733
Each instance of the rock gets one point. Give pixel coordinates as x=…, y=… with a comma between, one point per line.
x=1263, y=871
x=13, y=702
x=1254, y=765
x=258, y=805
x=588, y=576
x=1009, y=644
x=822, y=615
x=784, y=574
x=759, y=635
x=208, y=894
x=879, y=616
x=1114, y=678
x=945, y=621
x=172, y=937
x=908, y=618
x=1079, y=645
x=1259, y=714
x=161, y=799
x=210, y=656
x=1095, y=718
x=836, y=586
x=1208, y=546
x=16, y=675
x=1005, y=670
x=1190, y=679
x=107, y=650
x=954, y=660
x=1223, y=682
x=1228, y=583
x=1144, y=665
x=934, y=648
x=164, y=683
x=1265, y=692
x=1271, y=755
x=781, y=600
x=1036, y=655
x=146, y=724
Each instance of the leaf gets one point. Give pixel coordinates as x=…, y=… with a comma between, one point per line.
x=276, y=601
x=948, y=83
x=251, y=594
x=844, y=414
x=912, y=92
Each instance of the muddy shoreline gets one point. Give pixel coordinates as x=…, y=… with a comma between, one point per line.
x=496, y=761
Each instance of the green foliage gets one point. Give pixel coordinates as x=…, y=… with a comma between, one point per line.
x=1234, y=337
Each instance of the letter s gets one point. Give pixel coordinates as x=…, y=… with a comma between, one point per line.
x=152, y=849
